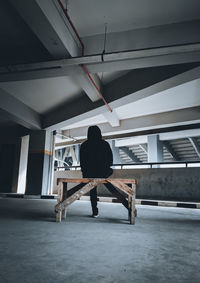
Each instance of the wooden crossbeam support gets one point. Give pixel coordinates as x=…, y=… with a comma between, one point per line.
x=77, y=195
x=126, y=189
x=75, y=189
x=117, y=194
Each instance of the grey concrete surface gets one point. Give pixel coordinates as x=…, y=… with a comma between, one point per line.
x=163, y=246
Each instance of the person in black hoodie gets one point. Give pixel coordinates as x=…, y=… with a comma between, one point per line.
x=95, y=161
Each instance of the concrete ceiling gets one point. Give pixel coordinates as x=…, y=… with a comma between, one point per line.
x=125, y=15
x=150, y=66
x=43, y=95
x=18, y=44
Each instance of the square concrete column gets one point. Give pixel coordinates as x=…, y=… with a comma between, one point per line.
x=115, y=151
x=77, y=153
x=20, y=165
x=40, y=162
x=155, y=149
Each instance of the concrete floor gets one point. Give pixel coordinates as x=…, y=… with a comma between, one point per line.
x=163, y=246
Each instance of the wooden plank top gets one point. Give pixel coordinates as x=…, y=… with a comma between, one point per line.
x=101, y=180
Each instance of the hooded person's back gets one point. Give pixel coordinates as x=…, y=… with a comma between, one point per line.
x=95, y=155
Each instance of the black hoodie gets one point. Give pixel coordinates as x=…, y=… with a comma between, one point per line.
x=95, y=155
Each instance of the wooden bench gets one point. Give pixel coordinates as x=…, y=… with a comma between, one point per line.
x=124, y=193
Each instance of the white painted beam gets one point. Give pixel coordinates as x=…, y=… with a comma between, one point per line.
x=18, y=112
x=144, y=62
x=115, y=62
x=64, y=117
x=112, y=118
x=161, y=79
x=169, y=148
x=144, y=148
x=131, y=141
x=179, y=135
x=48, y=22
x=195, y=145
x=85, y=83
x=160, y=120
x=130, y=154
x=141, y=140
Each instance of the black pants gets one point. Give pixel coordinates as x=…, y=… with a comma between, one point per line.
x=93, y=192
x=93, y=199
x=93, y=196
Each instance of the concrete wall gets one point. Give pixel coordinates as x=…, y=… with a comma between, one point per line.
x=182, y=184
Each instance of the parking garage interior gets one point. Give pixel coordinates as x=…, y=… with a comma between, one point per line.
x=133, y=69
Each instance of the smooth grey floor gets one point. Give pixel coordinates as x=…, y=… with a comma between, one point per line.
x=163, y=246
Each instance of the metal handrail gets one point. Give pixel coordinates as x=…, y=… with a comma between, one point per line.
x=150, y=164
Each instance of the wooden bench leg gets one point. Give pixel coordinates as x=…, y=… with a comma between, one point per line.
x=58, y=216
x=132, y=210
x=62, y=195
x=60, y=192
x=129, y=208
x=64, y=211
x=59, y=199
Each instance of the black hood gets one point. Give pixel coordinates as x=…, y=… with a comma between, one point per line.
x=94, y=133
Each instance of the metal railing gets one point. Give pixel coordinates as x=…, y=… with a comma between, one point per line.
x=175, y=164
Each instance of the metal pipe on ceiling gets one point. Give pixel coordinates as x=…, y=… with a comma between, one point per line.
x=83, y=66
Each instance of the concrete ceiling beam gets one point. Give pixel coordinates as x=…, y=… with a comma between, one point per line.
x=139, y=84
x=47, y=20
x=180, y=135
x=112, y=118
x=181, y=33
x=18, y=112
x=119, y=61
x=144, y=148
x=131, y=141
x=13, y=75
x=195, y=145
x=142, y=140
x=130, y=154
x=85, y=83
x=129, y=88
x=57, y=36
x=160, y=120
x=138, y=63
x=169, y=148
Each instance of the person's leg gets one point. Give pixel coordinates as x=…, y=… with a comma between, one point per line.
x=93, y=199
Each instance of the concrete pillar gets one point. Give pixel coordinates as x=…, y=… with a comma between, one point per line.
x=40, y=161
x=77, y=153
x=21, y=161
x=155, y=149
x=115, y=151
x=7, y=166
